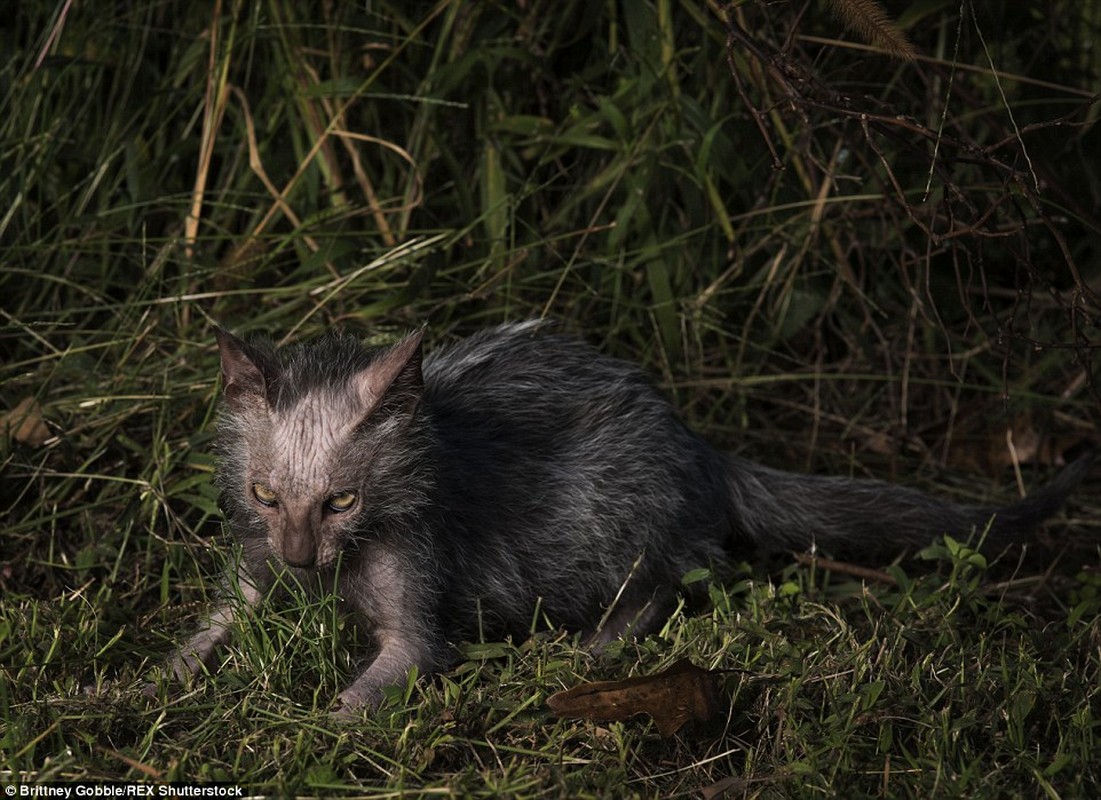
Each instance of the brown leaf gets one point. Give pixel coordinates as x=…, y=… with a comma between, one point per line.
x=982, y=445
x=680, y=693
x=728, y=786
x=25, y=423
x=145, y=769
x=734, y=783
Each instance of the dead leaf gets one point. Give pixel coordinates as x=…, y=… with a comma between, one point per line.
x=672, y=698
x=984, y=443
x=734, y=783
x=25, y=423
x=145, y=769
x=728, y=786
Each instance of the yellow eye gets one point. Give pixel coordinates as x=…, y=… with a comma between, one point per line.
x=263, y=493
x=341, y=501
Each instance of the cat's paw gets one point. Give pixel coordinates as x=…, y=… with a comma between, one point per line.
x=346, y=709
x=353, y=702
x=343, y=714
x=183, y=667
x=157, y=678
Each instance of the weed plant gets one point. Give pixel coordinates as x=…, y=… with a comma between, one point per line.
x=832, y=260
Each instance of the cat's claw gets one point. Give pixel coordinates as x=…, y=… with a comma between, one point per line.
x=345, y=712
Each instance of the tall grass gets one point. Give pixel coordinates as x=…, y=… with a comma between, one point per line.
x=830, y=259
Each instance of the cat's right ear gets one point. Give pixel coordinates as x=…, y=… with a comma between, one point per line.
x=246, y=371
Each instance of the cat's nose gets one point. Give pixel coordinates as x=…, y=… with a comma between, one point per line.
x=298, y=560
x=299, y=551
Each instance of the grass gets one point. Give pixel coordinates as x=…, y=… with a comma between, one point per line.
x=830, y=260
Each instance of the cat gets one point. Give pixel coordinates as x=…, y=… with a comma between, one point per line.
x=519, y=472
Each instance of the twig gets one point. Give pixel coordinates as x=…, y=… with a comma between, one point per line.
x=857, y=571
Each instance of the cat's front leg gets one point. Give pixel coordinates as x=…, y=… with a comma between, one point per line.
x=399, y=652
x=393, y=594
x=198, y=651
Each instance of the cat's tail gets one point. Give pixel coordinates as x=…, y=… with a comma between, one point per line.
x=866, y=519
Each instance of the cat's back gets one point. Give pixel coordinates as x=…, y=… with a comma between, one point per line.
x=528, y=363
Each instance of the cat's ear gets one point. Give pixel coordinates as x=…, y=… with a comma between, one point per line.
x=393, y=382
x=246, y=370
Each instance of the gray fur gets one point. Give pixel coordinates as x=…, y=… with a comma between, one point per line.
x=515, y=471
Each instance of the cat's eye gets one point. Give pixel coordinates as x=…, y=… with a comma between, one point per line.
x=341, y=501
x=263, y=493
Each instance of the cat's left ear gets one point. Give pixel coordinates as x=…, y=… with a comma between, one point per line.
x=393, y=382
